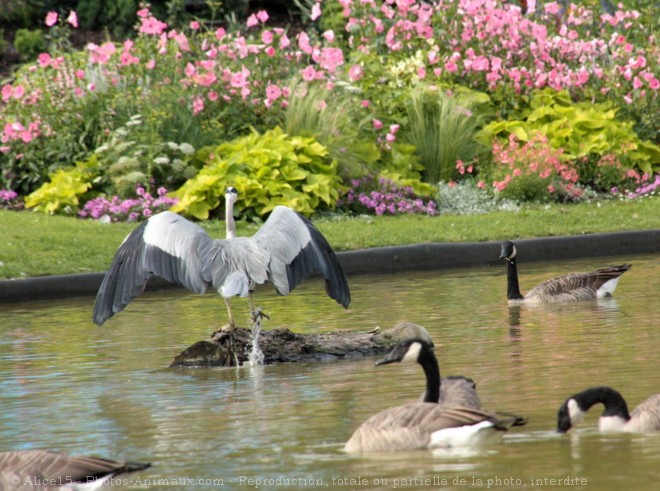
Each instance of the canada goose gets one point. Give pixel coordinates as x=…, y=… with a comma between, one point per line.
x=615, y=417
x=426, y=424
x=47, y=470
x=457, y=390
x=567, y=288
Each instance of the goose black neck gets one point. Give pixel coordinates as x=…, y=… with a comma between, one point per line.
x=615, y=404
x=513, y=289
x=432, y=370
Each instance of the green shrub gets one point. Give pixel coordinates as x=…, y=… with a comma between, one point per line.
x=29, y=43
x=337, y=125
x=442, y=129
x=268, y=169
x=62, y=192
x=581, y=129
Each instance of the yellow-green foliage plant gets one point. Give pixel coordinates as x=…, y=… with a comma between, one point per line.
x=268, y=169
x=62, y=192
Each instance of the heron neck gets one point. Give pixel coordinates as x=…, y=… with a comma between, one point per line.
x=513, y=288
x=229, y=220
x=432, y=370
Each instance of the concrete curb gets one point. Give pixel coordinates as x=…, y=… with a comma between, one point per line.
x=388, y=260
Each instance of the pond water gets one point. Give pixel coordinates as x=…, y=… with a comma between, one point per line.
x=69, y=385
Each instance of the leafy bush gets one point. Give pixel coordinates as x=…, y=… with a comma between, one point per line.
x=338, y=126
x=442, y=129
x=580, y=129
x=29, y=43
x=268, y=169
x=63, y=192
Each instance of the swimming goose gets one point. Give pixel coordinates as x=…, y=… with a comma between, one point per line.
x=615, y=417
x=567, y=288
x=457, y=390
x=47, y=470
x=426, y=424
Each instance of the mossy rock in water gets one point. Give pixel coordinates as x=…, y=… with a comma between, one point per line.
x=282, y=345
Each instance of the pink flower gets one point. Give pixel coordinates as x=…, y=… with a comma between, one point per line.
x=329, y=35
x=213, y=96
x=303, y=43
x=239, y=79
x=252, y=21
x=390, y=137
x=552, y=8
x=7, y=91
x=194, y=25
x=285, y=42
x=273, y=92
x=309, y=73
x=220, y=33
x=394, y=128
x=198, y=105
x=316, y=11
x=150, y=64
x=267, y=37
x=355, y=72
x=654, y=84
x=378, y=124
x=451, y=67
x=481, y=185
x=51, y=19
x=329, y=58
x=72, y=19
x=151, y=25
x=143, y=13
x=19, y=91
x=44, y=60
x=262, y=15
x=365, y=103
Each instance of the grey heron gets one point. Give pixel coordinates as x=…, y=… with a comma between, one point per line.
x=567, y=288
x=428, y=424
x=285, y=250
x=48, y=470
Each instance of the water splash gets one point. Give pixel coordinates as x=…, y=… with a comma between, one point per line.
x=256, y=356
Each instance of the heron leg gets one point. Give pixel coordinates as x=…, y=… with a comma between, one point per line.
x=255, y=313
x=232, y=325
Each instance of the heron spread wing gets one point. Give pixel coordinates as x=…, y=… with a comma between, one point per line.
x=297, y=249
x=166, y=245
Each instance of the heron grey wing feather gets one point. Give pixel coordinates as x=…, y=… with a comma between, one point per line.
x=297, y=250
x=234, y=266
x=166, y=245
x=646, y=416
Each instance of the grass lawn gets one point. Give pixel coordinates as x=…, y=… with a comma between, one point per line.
x=34, y=244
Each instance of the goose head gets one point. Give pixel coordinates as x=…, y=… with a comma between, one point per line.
x=568, y=415
x=508, y=251
x=411, y=350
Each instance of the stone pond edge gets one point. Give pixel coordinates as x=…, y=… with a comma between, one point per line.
x=385, y=260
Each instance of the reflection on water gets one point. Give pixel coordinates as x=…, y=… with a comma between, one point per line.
x=67, y=384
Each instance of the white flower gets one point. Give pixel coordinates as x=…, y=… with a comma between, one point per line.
x=187, y=148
